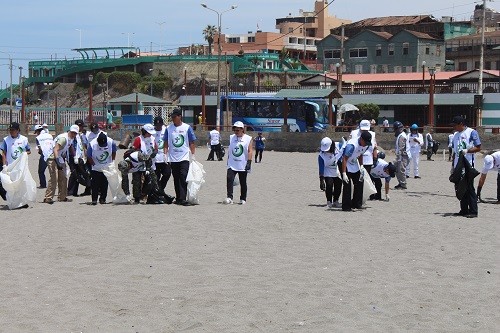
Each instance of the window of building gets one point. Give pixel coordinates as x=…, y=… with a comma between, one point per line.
x=409, y=69
x=438, y=50
x=397, y=69
x=406, y=48
x=487, y=65
x=476, y=65
x=233, y=40
x=497, y=64
x=290, y=30
x=358, y=53
x=378, y=50
x=373, y=69
x=251, y=39
x=427, y=49
x=332, y=54
x=462, y=66
x=391, y=50
x=385, y=68
x=358, y=69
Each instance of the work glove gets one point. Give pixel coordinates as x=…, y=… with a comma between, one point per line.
x=386, y=197
x=322, y=185
x=59, y=164
x=345, y=179
x=248, y=167
x=362, y=171
x=75, y=160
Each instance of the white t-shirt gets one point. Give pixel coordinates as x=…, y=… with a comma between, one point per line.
x=214, y=137
x=238, y=152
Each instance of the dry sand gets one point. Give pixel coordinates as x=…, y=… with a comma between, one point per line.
x=281, y=263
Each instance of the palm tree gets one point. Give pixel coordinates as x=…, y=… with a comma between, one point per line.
x=208, y=34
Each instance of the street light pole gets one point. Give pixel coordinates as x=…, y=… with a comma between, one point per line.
x=219, y=51
x=185, y=81
x=432, y=73
x=423, y=74
x=91, y=113
x=11, y=93
x=203, y=75
x=285, y=70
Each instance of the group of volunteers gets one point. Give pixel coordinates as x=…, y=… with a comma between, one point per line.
x=345, y=166
x=157, y=153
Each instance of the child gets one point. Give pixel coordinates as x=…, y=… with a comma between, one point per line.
x=330, y=181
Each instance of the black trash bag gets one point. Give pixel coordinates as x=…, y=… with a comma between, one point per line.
x=435, y=147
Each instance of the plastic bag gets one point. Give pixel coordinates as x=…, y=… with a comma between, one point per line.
x=368, y=188
x=195, y=178
x=18, y=182
x=115, y=184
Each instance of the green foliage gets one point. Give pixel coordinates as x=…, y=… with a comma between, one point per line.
x=368, y=110
x=160, y=83
x=123, y=82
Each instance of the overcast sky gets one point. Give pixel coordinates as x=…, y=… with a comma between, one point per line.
x=39, y=30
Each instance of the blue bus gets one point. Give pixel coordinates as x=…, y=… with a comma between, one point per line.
x=264, y=112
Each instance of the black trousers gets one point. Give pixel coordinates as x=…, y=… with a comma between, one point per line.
x=163, y=172
x=179, y=173
x=378, y=187
x=99, y=186
x=73, y=184
x=242, y=176
x=429, y=152
x=333, y=188
x=217, y=150
x=357, y=197
x=258, y=152
x=498, y=187
x=42, y=165
x=468, y=204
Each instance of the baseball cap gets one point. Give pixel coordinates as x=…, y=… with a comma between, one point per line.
x=94, y=126
x=74, y=128
x=238, y=124
x=38, y=128
x=102, y=140
x=45, y=125
x=14, y=126
x=149, y=128
x=158, y=120
x=176, y=112
x=79, y=122
x=367, y=137
x=458, y=120
x=364, y=125
x=326, y=143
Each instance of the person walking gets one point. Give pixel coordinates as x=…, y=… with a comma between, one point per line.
x=14, y=145
x=260, y=144
x=179, y=141
x=450, y=144
x=385, y=124
x=491, y=162
x=239, y=162
x=429, y=144
x=101, y=154
x=353, y=172
x=466, y=142
x=56, y=163
x=403, y=155
x=80, y=170
x=162, y=168
x=45, y=145
x=215, y=145
x=329, y=175
x=416, y=141
x=109, y=119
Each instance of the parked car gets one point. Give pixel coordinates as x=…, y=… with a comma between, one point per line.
x=101, y=122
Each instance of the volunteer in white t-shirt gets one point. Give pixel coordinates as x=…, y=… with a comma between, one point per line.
x=179, y=141
x=45, y=144
x=382, y=169
x=101, y=153
x=163, y=170
x=239, y=162
x=416, y=141
x=214, y=137
x=491, y=163
x=329, y=174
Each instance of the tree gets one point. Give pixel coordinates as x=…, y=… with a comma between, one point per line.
x=208, y=34
x=368, y=111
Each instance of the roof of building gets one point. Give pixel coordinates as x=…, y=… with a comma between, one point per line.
x=195, y=100
x=391, y=20
x=382, y=34
x=139, y=97
x=420, y=35
x=410, y=99
x=487, y=34
x=307, y=93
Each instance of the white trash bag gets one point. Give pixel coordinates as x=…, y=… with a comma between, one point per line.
x=115, y=184
x=195, y=178
x=18, y=182
x=368, y=188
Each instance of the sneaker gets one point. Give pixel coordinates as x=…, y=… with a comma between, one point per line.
x=228, y=201
x=242, y=202
x=48, y=201
x=329, y=204
x=470, y=216
x=66, y=200
x=337, y=204
x=102, y=201
x=93, y=203
x=417, y=177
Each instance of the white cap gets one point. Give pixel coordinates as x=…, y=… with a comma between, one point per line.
x=488, y=162
x=74, y=128
x=326, y=143
x=38, y=127
x=149, y=128
x=45, y=125
x=364, y=125
x=238, y=124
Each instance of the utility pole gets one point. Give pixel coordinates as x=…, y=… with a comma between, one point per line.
x=481, y=68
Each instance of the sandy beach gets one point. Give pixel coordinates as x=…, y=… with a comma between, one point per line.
x=283, y=262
